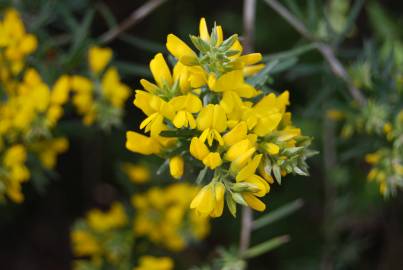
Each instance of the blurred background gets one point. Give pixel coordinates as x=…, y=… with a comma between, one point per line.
x=342, y=221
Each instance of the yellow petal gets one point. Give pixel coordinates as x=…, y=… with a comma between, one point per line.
x=254, y=202
x=220, y=35
x=198, y=149
x=237, y=134
x=204, y=35
x=148, y=86
x=249, y=169
x=98, y=58
x=212, y=160
x=179, y=49
x=176, y=165
x=160, y=70
x=272, y=149
x=141, y=144
x=250, y=59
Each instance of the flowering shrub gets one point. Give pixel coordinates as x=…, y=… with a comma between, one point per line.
x=29, y=110
x=162, y=215
x=206, y=113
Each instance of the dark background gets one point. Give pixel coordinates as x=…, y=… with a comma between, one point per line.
x=35, y=235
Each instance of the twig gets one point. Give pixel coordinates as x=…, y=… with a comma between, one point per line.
x=249, y=12
x=133, y=19
x=246, y=229
x=330, y=162
x=326, y=50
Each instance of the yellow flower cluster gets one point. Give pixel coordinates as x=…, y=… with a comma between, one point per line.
x=29, y=108
x=162, y=215
x=103, y=237
x=207, y=111
x=154, y=263
x=101, y=97
x=15, y=44
x=387, y=162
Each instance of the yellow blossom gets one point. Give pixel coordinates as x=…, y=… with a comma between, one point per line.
x=155, y=263
x=176, y=166
x=98, y=58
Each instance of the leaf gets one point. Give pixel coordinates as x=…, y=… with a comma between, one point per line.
x=239, y=199
x=355, y=11
x=284, y=65
x=133, y=69
x=107, y=14
x=202, y=175
x=290, y=53
x=278, y=214
x=262, y=76
x=164, y=166
x=265, y=247
x=277, y=173
x=142, y=43
x=231, y=204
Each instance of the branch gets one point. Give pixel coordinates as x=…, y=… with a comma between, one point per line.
x=327, y=51
x=249, y=12
x=136, y=16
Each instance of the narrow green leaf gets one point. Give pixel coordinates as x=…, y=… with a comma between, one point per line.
x=355, y=11
x=202, y=175
x=265, y=247
x=277, y=173
x=284, y=65
x=132, y=69
x=278, y=214
x=107, y=14
x=290, y=53
x=231, y=204
x=141, y=43
x=164, y=166
x=239, y=199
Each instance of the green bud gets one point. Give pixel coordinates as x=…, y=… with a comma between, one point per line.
x=239, y=199
x=244, y=186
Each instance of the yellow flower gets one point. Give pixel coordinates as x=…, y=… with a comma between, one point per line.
x=185, y=106
x=204, y=34
x=84, y=244
x=210, y=200
x=373, y=158
x=103, y=221
x=253, y=202
x=212, y=120
x=176, y=165
x=49, y=150
x=137, y=173
x=247, y=174
x=232, y=81
x=113, y=89
x=163, y=215
x=98, y=58
x=238, y=133
x=180, y=50
x=212, y=160
x=155, y=263
x=272, y=149
x=156, y=108
x=198, y=149
x=334, y=115
x=139, y=143
x=240, y=153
